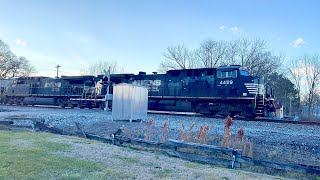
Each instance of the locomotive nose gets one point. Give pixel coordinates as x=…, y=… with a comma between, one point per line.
x=255, y=87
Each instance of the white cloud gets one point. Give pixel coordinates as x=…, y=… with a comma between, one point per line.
x=222, y=28
x=234, y=29
x=21, y=42
x=297, y=43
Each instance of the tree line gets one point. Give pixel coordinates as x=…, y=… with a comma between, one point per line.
x=252, y=54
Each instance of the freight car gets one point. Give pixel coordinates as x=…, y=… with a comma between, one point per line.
x=228, y=90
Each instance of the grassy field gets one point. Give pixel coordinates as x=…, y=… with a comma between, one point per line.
x=25, y=155
x=30, y=156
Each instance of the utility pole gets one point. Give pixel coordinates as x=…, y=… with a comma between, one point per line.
x=58, y=66
x=290, y=105
x=285, y=102
x=107, y=96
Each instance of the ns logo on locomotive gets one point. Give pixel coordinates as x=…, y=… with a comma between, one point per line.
x=227, y=90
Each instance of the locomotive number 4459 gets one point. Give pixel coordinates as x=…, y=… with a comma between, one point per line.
x=226, y=82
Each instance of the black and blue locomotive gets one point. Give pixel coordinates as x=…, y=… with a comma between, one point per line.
x=228, y=90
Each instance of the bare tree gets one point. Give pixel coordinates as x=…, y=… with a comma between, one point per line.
x=25, y=68
x=100, y=66
x=11, y=65
x=232, y=52
x=311, y=66
x=252, y=54
x=296, y=74
x=177, y=57
x=211, y=53
x=255, y=56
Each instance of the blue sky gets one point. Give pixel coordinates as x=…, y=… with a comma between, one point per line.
x=74, y=33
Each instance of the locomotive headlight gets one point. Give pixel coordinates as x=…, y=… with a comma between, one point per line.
x=244, y=94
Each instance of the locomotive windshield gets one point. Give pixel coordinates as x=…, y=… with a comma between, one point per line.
x=244, y=73
x=227, y=73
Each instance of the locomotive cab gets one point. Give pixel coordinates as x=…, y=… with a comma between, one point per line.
x=241, y=93
x=228, y=81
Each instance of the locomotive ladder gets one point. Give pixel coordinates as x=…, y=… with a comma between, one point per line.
x=259, y=103
x=259, y=107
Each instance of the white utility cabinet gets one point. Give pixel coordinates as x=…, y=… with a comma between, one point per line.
x=129, y=102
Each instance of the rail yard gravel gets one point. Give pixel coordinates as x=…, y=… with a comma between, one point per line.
x=277, y=142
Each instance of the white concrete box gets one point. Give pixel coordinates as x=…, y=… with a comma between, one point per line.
x=129, y=102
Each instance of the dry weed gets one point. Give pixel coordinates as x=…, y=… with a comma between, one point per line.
x=250, y=149
x=246, y=143
x=203, y=134
x=182, y=132
x=197, y=136
x=149, y=129
x=189, y=132
x=165, y=130
x=244, y=147
x=227, y=132
x=240, y=139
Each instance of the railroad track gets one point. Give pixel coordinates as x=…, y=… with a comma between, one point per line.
x=312, y=123
x=191, y=114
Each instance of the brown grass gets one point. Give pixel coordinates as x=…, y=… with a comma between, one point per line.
x=250, y=149
x=203, y=134
x=240, y=136
x=249, y=152
x=197, y=135
x=182, y=132
x=165, y=130
x=149, y=129
x=227, y=132
x=187, y=138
